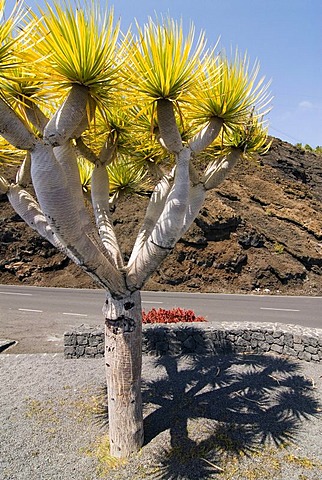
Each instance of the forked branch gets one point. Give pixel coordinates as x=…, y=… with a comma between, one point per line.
x=167, y=229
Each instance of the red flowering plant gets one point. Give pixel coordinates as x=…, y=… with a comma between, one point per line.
x=174, y=315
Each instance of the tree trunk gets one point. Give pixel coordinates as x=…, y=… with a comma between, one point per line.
x=123, y=359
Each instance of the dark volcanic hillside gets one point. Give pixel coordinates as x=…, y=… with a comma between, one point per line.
x=261, y=231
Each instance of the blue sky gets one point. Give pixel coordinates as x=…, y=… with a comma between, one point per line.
x=284, y=35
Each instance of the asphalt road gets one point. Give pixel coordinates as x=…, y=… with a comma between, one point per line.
x=36, y=317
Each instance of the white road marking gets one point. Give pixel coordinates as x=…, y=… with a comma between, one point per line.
x=75, y=314
x=29, y=310
x=13, y=293
x=280, y=309
x=55, y=338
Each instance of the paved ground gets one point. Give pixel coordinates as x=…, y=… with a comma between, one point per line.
x=225, y=418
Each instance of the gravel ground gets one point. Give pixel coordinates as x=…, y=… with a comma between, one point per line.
x=229, y=417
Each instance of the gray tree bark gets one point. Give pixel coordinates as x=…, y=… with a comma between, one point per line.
x=123, y=360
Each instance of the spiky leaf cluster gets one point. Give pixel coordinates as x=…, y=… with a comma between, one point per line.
x=126, y=178
x=162, y=61
x=76, y=46
x=9, y=37
x=227, y=89
x=9, y=154
x=62, y=46
x=250, y=138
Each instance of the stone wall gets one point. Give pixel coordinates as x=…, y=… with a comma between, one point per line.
x=207, y=338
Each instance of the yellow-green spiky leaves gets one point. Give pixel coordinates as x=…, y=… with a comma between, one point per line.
x=228, y=90
x=85, y=169
x=252, y=137
x=77, y=46
x=163, y=61
x=9, y=154
x=8, y=40
x=249, y=138
x=126, y=177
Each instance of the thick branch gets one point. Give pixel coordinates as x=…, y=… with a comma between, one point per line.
x=28, y=209
x=197, y=196
x=61, y=210
x=23, y=177
x=87, y=118
x=169, y=132
x=13, y=129
x=206, y=136
x=107, y=152
x=218, y=171
x=64, y=124
x=153, y=212
x=167, y=229
x=100, y=202
x=212, y=180
x=85, y=151
x=54, y=194
x=67, y=159
x=171, y=225
x=35, y=116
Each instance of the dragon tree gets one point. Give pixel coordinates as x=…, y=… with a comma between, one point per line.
x=82, y=103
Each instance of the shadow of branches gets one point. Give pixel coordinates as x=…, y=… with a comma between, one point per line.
x=219, y=406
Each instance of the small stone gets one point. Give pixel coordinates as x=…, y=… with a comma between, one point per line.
x=82, y=339
x=305, y=356
x=70, y=340
x=311, y=350
x=93, y=341
x=258, y=336
x=277, y=348
x=90, y=351
x=288, y=339
x=69, y=352
x=80, y=351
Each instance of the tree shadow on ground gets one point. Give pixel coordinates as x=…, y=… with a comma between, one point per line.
x=219, y=406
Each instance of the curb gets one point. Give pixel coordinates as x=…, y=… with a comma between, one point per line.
x=6, y=343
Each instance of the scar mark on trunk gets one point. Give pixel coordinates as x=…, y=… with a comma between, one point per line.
x=110, y=349
x=129, y=305
x=169, y=249
x=121, y=325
